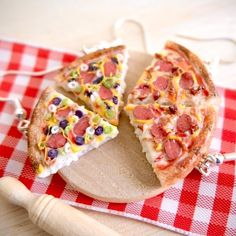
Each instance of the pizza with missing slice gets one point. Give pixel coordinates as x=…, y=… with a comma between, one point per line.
x=61, y=131
x=98, y=79
x=173, y=109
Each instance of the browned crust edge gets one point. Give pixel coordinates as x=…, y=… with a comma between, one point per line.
x=172, y=174
x=34, y=131
x=196, y=61
x=88, y=57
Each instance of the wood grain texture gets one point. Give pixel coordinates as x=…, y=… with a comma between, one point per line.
x=44, y=211
x=118, y=170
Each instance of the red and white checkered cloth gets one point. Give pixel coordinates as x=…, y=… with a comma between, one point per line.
x=198, y=205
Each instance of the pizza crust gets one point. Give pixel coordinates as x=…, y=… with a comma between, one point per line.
x=34, y=131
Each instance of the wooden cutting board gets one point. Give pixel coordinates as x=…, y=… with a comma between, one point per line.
x=118, y=170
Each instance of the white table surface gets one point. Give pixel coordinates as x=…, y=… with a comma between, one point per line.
x=70, y=24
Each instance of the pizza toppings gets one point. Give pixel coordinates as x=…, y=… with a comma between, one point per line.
x=84, y=67
x=142, y=113
x=156, y=95
x=52, y=153
x=64, y=112
x=158, y=132
x=173, y=109
x=105, y=93
x=56, y=141
x=186, y=81
x=63, y=124
x=56, y=101
x=54, y=129
x=115, y=100
x=161, y=83
x=172, y=148
x=79, y=140
x=144, y=90
x=87, y=77
x=99, y=130
x=79, y=113
x=109, y=68
x=164, y=66
x=81, y=126
x=184, y=123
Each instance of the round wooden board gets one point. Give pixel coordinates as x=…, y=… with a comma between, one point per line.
x=118, y=170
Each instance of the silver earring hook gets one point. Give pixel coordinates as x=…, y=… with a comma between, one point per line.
x=30, y=73
x=215, y=159
x=197, y=39
x=119, y=24
x=20, y=114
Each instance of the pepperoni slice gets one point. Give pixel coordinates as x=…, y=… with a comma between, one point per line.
x=186, y=81
x=157, y=131
x=144, y=90
x=64, y=112
x=81, y=126
x=164, y=66
x=142, y=113
x=184, y=123
x=105, y=93
x=56, y=141
x=172, y=149
x=109, y=69
x=161, y=83
x=87, y=77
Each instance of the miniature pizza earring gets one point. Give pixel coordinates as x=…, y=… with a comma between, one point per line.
x=20, y=114
x=57, y=141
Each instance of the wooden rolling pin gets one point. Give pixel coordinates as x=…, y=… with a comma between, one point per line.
x=51, y=214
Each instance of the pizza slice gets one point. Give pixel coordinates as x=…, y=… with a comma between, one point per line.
x=98, y=79
x=175, y=75
x=61, y=131
x=173, y=138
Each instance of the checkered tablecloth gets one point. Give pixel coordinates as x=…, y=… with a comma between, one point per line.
x=198, y=205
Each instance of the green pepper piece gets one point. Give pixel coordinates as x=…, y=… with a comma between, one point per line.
x=107, y=129
x=67, y=129
x=108, y=83
x=96, y=119
x=109, y=114
x=64, y=102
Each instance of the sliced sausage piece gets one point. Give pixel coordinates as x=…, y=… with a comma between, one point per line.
x=142, y=113
x=64, y=112
x=157, y=131
x=105, y=93
x=109, y=69
x=172, y=148
x=81, y=126
x=184, y=123
x=56, y=141
x=164, y=66
x=186, y=81
x=87, y=77
x=161, y=83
